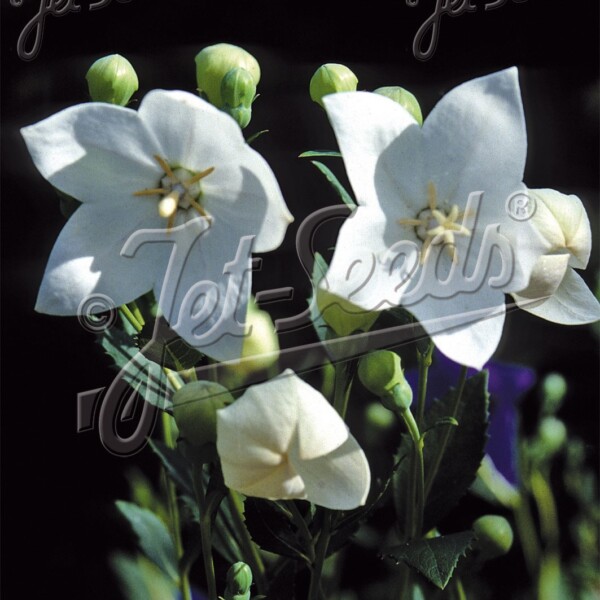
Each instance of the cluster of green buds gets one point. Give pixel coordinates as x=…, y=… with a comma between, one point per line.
x=239, y=581
x=112, y=79
x=332, y=78
x=381, y=373
x=227, y=77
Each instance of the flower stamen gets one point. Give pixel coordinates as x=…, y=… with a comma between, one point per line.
x=433, y=226
x=180, y=189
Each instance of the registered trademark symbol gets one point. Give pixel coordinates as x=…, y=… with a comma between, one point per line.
x=520, y=206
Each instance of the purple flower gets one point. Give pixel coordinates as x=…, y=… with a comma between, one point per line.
x=507, y=385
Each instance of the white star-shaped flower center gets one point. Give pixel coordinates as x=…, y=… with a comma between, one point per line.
x=434, y=226
x=179, y=189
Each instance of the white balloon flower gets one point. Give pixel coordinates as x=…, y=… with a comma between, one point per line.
x=439, y=227
x=282, y=440
x=555, y=291
x=173, y=200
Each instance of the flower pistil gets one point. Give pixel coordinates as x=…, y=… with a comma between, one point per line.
x=180, y=188
x=434, y=226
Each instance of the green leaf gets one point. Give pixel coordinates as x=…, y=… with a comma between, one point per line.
x=256, y=135
x=141, y=579
x=334, y=181
x=462, y=457
x=153, y=537
x=317, y=153
x=144, y=376
x=178, y=468
x=435, y=558
x=270, y=528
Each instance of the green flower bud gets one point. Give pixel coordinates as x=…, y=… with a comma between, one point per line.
x=495, y=536
x=239, y=580
x=237, y=92
x=195, y=408
x=343, y=316
x=213, y=64
x=331, y=78
x=380, y=372
x=554, y=390
x=552, y=435
x=112, y=79
x=378, y=417
x=404, y=98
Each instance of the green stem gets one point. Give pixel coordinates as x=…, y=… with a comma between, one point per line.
x=137, y=313
x=207, y=559
x=460, y=590
x=124, y=310
x=449, y=430
x=251, y=553
x=302, y=529
x=314, y=591
x=344, y=373
x=527, y=534
x=546, y=506
x=174, y=517
x=425, y=361
x=206, y=538
x=417, y=493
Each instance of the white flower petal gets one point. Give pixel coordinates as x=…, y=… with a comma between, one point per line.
x=357, y=271
x=571, y=304
x=86, y=260
x=546, y=276
x=283, y=430
x=365, y=125
x=563, y=221
x=339, y=480
x=277, y=483
x=206, y=295
x=265, y=415
x=467, y=328
x=475, y=140
x=242, y=190
x=95, y=152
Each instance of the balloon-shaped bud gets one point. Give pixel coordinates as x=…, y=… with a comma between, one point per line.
x=552, y=435
x=381, y=373
x=112, y=79
x=331, y=78
x=213, y=64
x=554, y=389
x=239, y=580
x=404, y=98
x=195, y=408
x=260, y=349
x=238, y=91
x=494, y=535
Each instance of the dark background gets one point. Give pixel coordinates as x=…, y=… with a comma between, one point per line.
x=58, y=485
